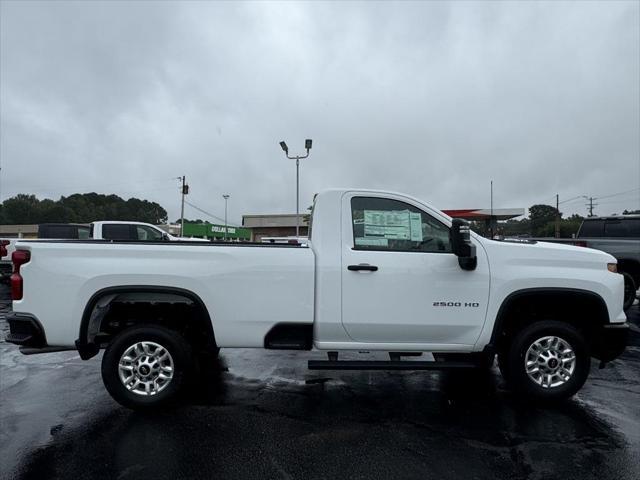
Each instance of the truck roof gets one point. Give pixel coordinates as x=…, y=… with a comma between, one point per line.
x=613, y=217
x=109, y=222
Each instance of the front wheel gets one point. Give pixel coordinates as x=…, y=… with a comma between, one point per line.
x=548, y=360
x=146, y=366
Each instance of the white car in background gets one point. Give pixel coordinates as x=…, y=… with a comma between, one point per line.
x=105, y=230
x=134, y=231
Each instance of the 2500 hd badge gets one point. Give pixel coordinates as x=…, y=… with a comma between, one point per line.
x=456, y=304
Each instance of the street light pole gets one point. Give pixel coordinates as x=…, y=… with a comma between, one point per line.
x=226, y=197
x=307, y=146
x=297, y=197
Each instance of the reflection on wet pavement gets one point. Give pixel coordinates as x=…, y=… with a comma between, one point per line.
x=269, y=417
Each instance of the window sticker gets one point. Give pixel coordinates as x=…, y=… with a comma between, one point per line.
x=372, y=242
x=415, y=225
x=393, y=225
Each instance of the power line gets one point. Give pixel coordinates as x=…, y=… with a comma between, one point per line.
x=597, y=197
x=616, y=194
x=631, y=200
x=592, y=199
x=209, y=214
x=571, y=199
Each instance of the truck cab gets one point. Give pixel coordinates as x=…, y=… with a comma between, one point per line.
x=134, y=231
x=399, y=281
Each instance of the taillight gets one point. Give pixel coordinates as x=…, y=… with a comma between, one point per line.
x=580, y=243
x=19, y=258
x=3, y=248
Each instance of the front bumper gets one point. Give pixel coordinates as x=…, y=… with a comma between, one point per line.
x=25, y=330
x=610, y=341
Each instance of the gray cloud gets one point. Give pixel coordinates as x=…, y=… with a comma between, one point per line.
x=432, y=99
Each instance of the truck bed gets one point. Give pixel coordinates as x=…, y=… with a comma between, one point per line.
x=247, y=288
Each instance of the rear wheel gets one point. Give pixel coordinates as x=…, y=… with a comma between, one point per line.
x=630, y=288
x=548, y=360
x=146, y=366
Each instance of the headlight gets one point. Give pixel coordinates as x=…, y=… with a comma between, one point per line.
x=612, y=267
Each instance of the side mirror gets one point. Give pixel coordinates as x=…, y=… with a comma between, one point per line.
x=462, y=246
x=165, y=237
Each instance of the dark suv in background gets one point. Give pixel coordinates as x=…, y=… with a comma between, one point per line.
x=620, y=237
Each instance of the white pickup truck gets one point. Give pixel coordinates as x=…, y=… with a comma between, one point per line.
x=381, y=272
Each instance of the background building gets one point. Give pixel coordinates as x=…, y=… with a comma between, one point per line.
x=486, y=215
x=216, y=232
x=281, y=225
x=19, y=231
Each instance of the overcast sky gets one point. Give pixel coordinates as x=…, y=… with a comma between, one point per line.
x=427, y=98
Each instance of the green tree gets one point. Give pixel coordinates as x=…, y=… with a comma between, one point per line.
x=21, y=209
x=569, y=226
x=79, y=208
x=542, y=218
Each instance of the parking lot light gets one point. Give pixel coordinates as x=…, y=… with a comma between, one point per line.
x=307, y=146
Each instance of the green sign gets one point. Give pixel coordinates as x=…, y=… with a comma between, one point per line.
x=217, y=232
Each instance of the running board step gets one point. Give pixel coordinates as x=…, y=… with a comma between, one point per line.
x=385, y=365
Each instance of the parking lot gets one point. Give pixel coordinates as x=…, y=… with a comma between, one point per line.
x=267, y=416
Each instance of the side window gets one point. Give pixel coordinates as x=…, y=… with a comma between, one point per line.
x=83, y=233
x=625, y=228
x=615, y=228
x=147, y=233
x=391, y=225
x=591, y=228
x=116, y=231
x=633, y=227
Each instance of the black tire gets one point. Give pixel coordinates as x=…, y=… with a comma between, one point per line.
x=630, y=288
x=525, y=385
x=180, y=360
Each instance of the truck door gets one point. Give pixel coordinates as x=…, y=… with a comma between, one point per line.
x=401, y=283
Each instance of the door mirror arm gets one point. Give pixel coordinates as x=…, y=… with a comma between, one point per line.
x=462, y=246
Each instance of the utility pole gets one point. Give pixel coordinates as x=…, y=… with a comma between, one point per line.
x=226, y=197
x=557, y=215
x=591, y=205
x=184, y=191
x=307, y=146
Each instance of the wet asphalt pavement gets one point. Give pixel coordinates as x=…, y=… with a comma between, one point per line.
x=269, y=417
